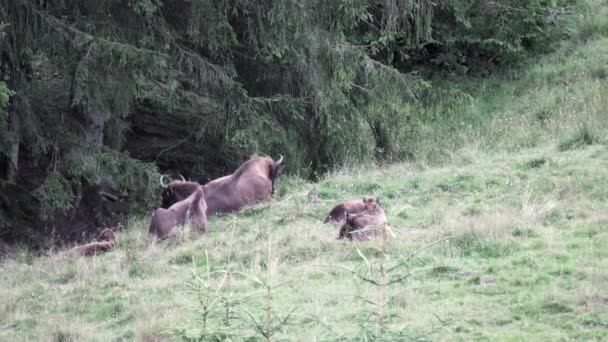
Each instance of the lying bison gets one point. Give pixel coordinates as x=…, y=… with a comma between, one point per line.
x=190, y=210
x=362, y=225
x=252, y=182
x=108, y=240
x=176, y=191
x=338, y=213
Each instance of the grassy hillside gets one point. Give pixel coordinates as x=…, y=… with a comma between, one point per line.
x=498, y=233
x=534, y=221
x=555, y=97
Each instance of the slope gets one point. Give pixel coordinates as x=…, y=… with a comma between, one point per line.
x=498, y=232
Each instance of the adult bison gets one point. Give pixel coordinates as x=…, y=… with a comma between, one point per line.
x=176, y=191
x=252, y=182
x=190, y=210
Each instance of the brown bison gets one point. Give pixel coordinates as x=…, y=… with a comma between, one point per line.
x=176, y=191
x=191, y=210
x=354, y=224
x=108, y=240
x=338, y=213
x=252, y=182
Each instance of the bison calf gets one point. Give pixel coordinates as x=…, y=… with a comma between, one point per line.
x=338, y=213
x=191, y=210
x=108, y=240
x=354, y=224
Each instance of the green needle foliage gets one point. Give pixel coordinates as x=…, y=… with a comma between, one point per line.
x=100, y=93
x=498, y=224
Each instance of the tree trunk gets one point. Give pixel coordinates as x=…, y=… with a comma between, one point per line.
x=9, y=72
x=12, y=165
x=384, y=147
x=389, y=15
x=93, y=130
x=94, y=123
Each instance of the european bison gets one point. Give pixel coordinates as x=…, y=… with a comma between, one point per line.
x=354, y=224
x=252, y=182
x=338, y=213
x=176, y=191
x=191, y=210
x=108, y=240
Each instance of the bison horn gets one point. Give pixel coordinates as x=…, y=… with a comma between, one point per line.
x=183, y=179
x=280, y=159
x=162, y=184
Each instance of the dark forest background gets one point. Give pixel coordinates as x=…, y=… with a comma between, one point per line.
x=99, y=97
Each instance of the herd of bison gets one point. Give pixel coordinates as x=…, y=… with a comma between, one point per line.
x=189, y=202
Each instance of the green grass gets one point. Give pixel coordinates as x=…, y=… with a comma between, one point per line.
x=512, y=187
x=556, y=97
x=535, y=220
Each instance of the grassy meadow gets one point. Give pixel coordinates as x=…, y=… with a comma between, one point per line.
x=498, y=232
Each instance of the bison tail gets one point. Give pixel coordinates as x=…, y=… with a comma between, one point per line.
x=198, y=196
x=198, y=193
x=274, y=170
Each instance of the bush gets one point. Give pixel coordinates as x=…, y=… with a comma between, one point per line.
x=54, y=194
x=582, y=136
x=592, y=22
x=475, y=36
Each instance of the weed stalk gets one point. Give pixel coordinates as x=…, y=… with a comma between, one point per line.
x=269, y=289
x=382, y=300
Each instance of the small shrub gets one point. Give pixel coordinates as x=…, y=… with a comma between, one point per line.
x=189, y=257
x=62, y=336
x=255, y=211
x=600, y=72
x=556, y=308
x=285, y=185
x=535, y=163
x=110, y=308
x=403, y=215
x=470, y=244
x=64, y=274
x=524, y=232
x=54, y=194
x=544, y=114
x=551, y=217
x=472, y=211
x=140, y=270
x=444, y=271
x=366, y=188
x=24, y=255
x=582, y=136
x=591, y=26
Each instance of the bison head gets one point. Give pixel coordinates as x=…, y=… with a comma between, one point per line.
x=107, y=234
x=176, y=191
x=370, y=202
